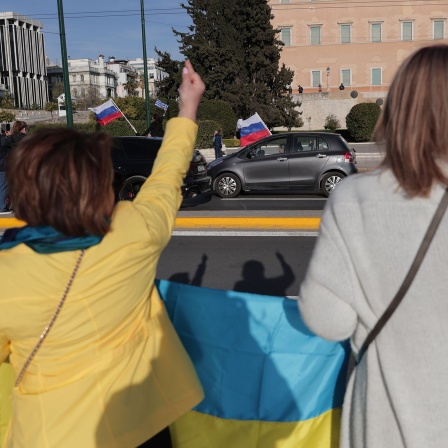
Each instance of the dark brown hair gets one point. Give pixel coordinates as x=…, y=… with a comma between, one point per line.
x=414, y=121
x=18, y=126
x=63, y=178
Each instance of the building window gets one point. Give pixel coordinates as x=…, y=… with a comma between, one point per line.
x=75, y=92
x=74, y=78
x=346, y=77
x=285, y=36
x=346, y=34
x=376, y=32
x=376, y=76
x=315, y=35
x=439, y=29
x=316, y=78
x=406, y=31
x=82, y=78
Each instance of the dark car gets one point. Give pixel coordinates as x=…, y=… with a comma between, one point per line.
x=313, y=161
x=133, y=159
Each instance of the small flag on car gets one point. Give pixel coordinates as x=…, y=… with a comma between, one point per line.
x=161, y=105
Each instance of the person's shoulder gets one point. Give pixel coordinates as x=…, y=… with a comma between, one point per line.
x=373, y=185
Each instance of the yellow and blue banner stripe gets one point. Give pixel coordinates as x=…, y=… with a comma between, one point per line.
x=268, y=381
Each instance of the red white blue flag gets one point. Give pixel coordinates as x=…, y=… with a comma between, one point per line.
x=106, y=112
x=252, y=130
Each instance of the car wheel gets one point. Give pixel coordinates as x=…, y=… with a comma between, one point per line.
x=130, y=188
x=329, y=182
x=227, y=185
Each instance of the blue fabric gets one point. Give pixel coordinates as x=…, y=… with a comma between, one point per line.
x=254, y=355
x=46, y=240
x=3, y=190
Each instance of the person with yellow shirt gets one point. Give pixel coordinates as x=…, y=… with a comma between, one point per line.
x=95, y=358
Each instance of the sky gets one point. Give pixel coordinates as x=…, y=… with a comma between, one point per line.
x=108, y=27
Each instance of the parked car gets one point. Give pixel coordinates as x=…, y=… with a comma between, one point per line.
x=133, y=159
x=312, y=161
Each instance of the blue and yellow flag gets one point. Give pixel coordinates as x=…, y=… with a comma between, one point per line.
x=268, y=381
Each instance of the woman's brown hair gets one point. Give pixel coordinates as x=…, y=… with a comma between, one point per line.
x=18, y=126
x=414, y=122
x=63, y=178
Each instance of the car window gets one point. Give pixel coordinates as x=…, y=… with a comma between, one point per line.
x=323, y=145
x=304, y=143
x=140, y=148
x=268, y=148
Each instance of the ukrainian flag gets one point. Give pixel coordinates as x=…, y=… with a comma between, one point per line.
x=268, y=381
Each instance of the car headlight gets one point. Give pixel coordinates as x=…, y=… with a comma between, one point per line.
x=214, y=163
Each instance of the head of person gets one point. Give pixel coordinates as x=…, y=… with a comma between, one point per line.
x=19, y=126
x=281, y=148
x=414, y=122
x=64, y=179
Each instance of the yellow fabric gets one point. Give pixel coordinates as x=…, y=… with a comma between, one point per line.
x=197, y=430
x=112, y=371
x=6, y=385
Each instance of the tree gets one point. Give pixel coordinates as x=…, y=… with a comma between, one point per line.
x=51, y=106
x=89, y=97
x=361, y=121
x=57, y=89
x=235, y=49
x=134, y=108
x=331, y=122
x=7, y=101
x=168, y=86
x=131, y=86
x=6, y=117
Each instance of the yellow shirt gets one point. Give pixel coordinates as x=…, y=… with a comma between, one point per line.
x=112, y=371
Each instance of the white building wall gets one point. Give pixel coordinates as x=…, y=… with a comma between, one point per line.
x=22, y=60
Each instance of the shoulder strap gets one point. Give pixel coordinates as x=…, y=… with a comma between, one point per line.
x=409, y=277
x=52, y=321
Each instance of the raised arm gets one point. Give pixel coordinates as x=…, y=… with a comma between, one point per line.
x=160, y=196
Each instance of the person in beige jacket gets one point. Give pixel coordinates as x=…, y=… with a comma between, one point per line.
x=111, y=371
x=371, y=230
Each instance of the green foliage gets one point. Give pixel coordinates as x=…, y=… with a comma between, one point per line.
x=115, y=128
x=221, y=112
x=121, y=127
x=361, y=121
x=83, y=127
x=6, y=117
x=131, y=87
x=173, y=109
x=332, y=123
x=168, y=86
x=133, y=107
x=35, y=106
x=205, y=133
x=235, y=49
x=51, y=106
x=7, y=101
x=231, y=142
x=57, y=89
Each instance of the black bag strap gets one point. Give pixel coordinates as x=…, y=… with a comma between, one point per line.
x=409, y=277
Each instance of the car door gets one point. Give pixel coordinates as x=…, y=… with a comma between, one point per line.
x=266, y=165
x=140, y=153
x=307, y=159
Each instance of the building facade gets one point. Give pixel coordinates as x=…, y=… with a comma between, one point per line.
x=347, y=51
x=125, y=73
x=22, y=60
x=91, y=74
x=154, y=74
